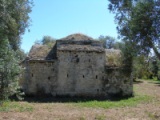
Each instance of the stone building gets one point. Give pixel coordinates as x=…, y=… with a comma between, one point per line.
x=76, y=65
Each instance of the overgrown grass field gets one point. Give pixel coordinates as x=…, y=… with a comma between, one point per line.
x=144, y=104
x=7, y=106
x=133, y=101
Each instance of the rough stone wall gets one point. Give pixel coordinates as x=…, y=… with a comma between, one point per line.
x=80, y=73
x=118, y=82
x=77, y=65
x=76, y=74
x=40, y=77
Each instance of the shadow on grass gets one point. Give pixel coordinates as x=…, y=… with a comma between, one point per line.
x=137, y=81
x=157, y=83
x=68, y=99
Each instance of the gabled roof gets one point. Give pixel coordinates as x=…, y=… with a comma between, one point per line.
x=74, y=42
x=79, y=42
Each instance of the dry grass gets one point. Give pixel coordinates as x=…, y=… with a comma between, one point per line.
x=145, y=109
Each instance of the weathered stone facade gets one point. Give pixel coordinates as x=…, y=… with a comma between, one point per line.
x=75, y=66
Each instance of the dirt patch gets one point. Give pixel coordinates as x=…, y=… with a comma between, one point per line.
x=68, y=111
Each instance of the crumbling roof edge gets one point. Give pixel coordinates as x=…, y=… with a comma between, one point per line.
x=37, y=61
x=65, y=50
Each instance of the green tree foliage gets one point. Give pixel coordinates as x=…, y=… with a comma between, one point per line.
x=138, y=23
x=141, y=67
x=9, y=70
x=155, y=67
x=14, y=19
x=119, y=45
x=158, y=63
x=48, y=40
x=20, y=54
x=110, y=42
x=146, y=67
x=107, y=41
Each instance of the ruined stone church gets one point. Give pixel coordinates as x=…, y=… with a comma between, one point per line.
x=76, y=65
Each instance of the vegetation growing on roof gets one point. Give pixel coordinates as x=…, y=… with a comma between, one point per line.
x=77, y=36
x=39, y=52
x=113, y=58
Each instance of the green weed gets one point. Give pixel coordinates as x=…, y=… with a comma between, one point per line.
x=8, y=106
x=100, y=117
x=133, y=101
x=82, y=118
x=152, y=116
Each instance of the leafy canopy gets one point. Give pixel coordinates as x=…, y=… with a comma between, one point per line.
x=107, y=41
x=138, y=24
x=14, y=19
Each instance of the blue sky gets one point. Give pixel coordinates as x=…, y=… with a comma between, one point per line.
x=59, y=18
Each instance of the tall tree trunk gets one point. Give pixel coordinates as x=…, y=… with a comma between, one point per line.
x=1, y=87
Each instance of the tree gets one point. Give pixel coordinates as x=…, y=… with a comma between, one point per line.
x=119, y=45
x=138, y=23
x=20, y=54
x=107, y=41
x=141, y=67
x=9, y=71
x=14, y=19
x=154, y=66
x=46, y=40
